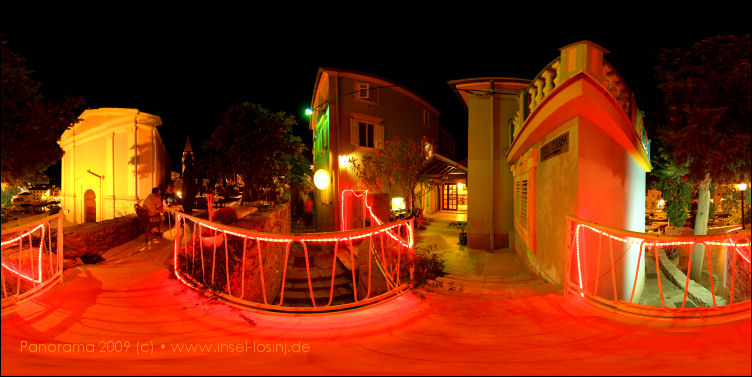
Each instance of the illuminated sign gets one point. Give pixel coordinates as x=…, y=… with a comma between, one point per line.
x=556, y=146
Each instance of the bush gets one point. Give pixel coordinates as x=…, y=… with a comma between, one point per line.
x=428, y=265
x=225, y=215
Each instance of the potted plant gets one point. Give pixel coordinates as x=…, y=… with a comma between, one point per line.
x=461, y=225
x=224, y=215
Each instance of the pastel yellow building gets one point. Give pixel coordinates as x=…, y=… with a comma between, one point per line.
x=578, y=148
x=113, y=158
x=569, y=143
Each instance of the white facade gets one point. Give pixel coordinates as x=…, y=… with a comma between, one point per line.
x=113, y=158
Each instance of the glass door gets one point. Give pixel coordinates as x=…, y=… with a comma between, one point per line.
x=449, y=197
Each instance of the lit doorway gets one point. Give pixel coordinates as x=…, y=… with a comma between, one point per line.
x=449, y=197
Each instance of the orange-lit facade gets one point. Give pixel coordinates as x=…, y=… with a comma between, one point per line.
x=353, y=114
x=113, y=158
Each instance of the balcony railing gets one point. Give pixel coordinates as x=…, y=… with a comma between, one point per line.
x=250, y=268
x=611, y=267
x=32, y=259
x=550, y=79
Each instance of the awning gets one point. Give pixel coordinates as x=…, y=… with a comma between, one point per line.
x=441, y=167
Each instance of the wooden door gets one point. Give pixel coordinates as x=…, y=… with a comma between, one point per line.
x=90, y=206
x=449, y=197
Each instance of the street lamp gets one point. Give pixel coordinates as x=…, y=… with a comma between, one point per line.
x=742, y=187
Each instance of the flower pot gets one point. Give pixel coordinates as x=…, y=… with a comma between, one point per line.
x=463, y=239
x=212, y=241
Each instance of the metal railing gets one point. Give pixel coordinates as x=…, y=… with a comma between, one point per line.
x=651, y=274
x=249, y=268
x=32, y=259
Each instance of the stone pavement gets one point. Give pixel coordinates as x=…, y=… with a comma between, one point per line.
x=504, y=323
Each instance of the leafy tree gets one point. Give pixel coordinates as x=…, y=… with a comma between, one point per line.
x=706, y=115
x=31, y=126
x=398, y=164
x=373, y=172
x=671, y=180
x=731, y=202
x=258, y=145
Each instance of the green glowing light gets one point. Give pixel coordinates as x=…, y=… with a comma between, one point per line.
x=308, y=111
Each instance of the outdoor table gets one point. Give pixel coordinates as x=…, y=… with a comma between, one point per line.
x=172, y=210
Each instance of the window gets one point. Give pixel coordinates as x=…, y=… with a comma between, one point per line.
x=366, y=134
x=363, y=90
x=365, y=93
x=520, y=203
x=524, y=197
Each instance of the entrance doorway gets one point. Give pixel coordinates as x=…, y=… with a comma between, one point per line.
x=449, y=197
x=90, y=206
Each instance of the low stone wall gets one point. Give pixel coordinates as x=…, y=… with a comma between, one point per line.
x=90, y=239
x=272, y=220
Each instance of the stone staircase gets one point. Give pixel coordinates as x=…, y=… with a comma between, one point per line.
x=437, y=225
x=297, y=292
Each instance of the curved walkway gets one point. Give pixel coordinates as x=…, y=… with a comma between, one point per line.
x=513, y=325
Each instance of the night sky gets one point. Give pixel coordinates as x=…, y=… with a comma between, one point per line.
x=189, y=68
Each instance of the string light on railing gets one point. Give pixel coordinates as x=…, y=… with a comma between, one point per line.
x=579, y=268
x=364, y=194
x=730, y=243
x=39, y=256
x=336, y=237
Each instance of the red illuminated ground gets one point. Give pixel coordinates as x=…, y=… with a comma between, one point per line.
x=524, y=327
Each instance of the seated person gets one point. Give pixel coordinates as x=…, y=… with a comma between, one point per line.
x=153, y=202
x=169, y=196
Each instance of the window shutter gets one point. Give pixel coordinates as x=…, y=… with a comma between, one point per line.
x=378, y=135
x=354, y=132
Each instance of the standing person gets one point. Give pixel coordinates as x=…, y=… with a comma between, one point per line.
x=309, y=211
x=299, y=207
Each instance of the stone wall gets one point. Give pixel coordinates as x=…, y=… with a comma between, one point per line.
x=90, y=239
x=272, y=220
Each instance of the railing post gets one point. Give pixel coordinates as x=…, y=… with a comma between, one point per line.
x=60, y=246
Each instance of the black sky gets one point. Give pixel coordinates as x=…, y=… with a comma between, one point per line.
x=189, y=68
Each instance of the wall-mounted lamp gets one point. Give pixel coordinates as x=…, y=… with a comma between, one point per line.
x=321, y=179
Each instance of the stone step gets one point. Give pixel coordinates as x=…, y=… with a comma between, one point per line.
x=495, y=289
x=325, y=273
x=521, y=277
x=324, y=283
x=321, y=296
x=306, y=302
x=489, y=282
